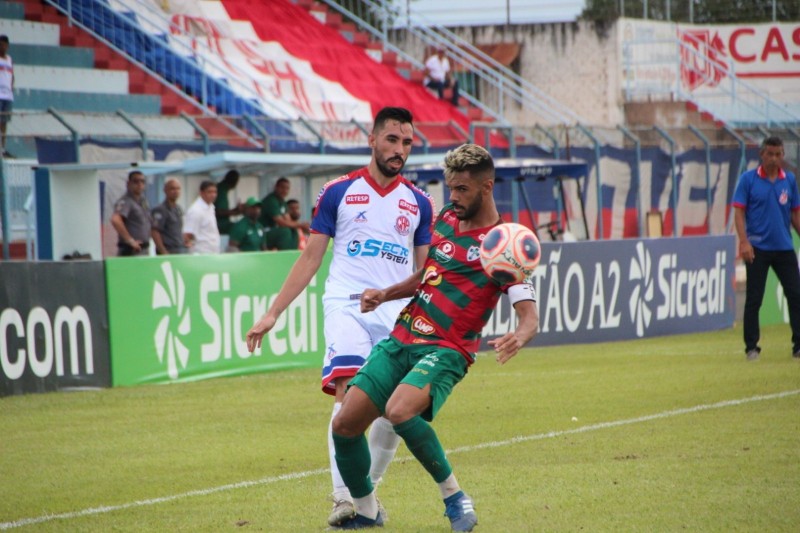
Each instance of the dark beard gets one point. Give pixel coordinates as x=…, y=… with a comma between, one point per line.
x=471, y=210
x=388, y=172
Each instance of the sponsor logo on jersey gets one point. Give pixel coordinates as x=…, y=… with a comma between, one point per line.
x=411, y=208
x=361, y=217
x=473, y=253
x=356, y=199
x=422, y=326
x=431, y=276
x=402, y=225
x=444, y=251
x=390, y=251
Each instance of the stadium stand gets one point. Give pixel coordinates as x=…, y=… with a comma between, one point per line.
x=303, y=79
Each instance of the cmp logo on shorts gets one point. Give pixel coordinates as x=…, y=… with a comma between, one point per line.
x=642, y=294
x=169, y=295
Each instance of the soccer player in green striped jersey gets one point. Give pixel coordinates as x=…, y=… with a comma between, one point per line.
x=408, y=376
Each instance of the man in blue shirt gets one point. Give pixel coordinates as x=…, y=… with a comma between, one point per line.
x=767, y=206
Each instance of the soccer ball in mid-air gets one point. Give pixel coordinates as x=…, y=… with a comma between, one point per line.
x=510, y=252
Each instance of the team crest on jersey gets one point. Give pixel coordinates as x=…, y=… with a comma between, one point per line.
x=445, y=251
x=356, y=199
x=402, y=225
x=411, y=208
x=473, y=253
x=422, y=326
x=784, y=197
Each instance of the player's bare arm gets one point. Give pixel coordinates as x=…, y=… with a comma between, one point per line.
x=298, y=279
x=372, y=298
x=509, y=344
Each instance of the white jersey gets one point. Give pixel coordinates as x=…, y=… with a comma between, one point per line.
x=374, y=233
x=6, y=77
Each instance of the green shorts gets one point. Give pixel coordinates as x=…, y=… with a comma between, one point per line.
x=391, y=363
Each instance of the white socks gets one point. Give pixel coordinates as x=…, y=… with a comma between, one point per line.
x=383, y=443
x=449, y=486
x=367, y=506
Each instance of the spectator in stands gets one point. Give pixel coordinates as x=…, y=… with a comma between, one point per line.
x=281, y=229
x=6, y=92
x=247, y=235
x=767, y=206
x=200, y=225
x=131, y=218
x=437, y=75
x=167, y=229
x=222, y=203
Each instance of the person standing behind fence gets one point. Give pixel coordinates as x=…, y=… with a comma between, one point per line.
x=437, y=75
x=6, y=91
x=247, y=234
x=200, y=225
x=131, y=218
x=294, y=213
x=222, y=208
x=281, y=229
x=167, y=229
x=767, y=206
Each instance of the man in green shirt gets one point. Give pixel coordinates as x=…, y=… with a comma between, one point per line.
x=281, y=229
x=247, y=235
x=222, y=208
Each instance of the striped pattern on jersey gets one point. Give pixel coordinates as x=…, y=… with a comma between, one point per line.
x=455, y=298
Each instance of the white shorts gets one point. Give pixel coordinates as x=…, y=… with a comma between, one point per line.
x=350, y=336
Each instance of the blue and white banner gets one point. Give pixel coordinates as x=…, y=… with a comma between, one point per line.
x=628, y=289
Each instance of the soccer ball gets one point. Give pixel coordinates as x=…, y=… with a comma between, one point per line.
x=510, y=252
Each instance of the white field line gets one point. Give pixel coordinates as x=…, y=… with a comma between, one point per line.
x=308, y=473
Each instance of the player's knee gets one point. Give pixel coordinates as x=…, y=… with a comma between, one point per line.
x=341, y=427
x=397, y=413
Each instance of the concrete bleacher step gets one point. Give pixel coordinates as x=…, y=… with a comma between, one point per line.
x=40, y=99
x=27, y=32
x=54, y=56
x=70, y=79
x=12, y=10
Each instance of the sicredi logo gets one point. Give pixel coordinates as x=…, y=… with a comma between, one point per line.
x=642, y=293
x=202, y=323
x=175, y=323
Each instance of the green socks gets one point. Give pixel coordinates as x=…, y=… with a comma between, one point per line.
x=421, y=440
x=352, y=458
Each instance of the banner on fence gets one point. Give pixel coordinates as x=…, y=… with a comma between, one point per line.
x=182, y=318
x=53, y=327
x=628, y=289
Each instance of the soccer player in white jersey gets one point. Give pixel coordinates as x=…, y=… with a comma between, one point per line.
x=381, y=227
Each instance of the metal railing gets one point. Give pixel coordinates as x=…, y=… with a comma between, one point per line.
x=183, y=65
x=490, y=85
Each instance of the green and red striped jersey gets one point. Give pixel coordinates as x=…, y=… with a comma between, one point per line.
x=456, y=297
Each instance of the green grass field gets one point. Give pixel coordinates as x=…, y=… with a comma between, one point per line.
x=672, y=434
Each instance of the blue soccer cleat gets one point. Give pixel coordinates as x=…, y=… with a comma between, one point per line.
x=461, y=512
